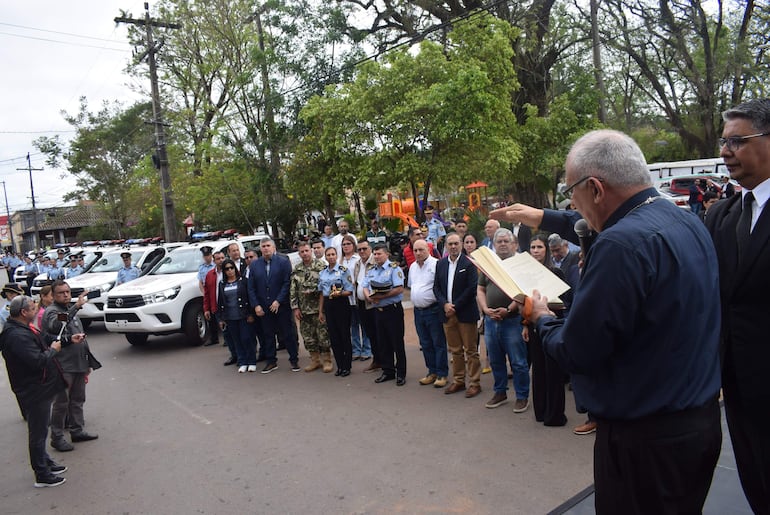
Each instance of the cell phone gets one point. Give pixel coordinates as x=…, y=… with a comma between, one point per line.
x=93, y=294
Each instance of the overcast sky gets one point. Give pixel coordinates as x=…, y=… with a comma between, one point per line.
x=52, y=53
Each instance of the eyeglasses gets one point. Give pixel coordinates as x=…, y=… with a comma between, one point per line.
x=229, y=268
x=733, y=143
x=362, y=249
x=569, y=190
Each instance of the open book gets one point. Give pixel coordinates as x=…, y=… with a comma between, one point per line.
x=519, y=274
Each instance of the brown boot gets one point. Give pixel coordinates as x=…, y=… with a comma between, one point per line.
x=315, y=362
x=327, y=361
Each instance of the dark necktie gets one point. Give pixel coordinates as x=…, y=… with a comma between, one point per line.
x=743, y=229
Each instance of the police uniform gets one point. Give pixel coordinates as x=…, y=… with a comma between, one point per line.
x=389, y=318
x=203, y=270
x=127, y=273
x=337, y=313
x=304, y=295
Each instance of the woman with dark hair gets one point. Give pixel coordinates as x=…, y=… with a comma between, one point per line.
x=335, y=286
x=547, y=377
x=470, y=243
x=235, y=313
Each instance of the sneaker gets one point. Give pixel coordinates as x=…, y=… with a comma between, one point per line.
x=57, y=469
x=43, y=482
x=252, y=368
x=242, y=369
x=429, y=379
x=521, y=405
x=585, y=429
x=497, y=400
x=295, y=367
x=440, y=382
x=269, y=368
x=62, y=445
x=486, y=370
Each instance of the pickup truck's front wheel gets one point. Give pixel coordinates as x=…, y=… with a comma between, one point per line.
x=194, y=324
x=136, y=338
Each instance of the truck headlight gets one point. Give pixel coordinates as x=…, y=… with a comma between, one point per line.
x=162, y=296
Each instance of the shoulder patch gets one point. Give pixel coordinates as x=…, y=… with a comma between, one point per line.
x=393, y=264
x=343, y=269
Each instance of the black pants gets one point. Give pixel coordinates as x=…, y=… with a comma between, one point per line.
x=38, y=419
x=657, y=464
x=280, y=324
x=370, y=327
x=751, y=445
x=547, y=385
x=390, y=339
x=337, y=313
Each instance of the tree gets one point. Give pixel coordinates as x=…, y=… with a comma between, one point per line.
x=103, y=157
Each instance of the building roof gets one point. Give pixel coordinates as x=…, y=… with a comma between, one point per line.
x=70, y=218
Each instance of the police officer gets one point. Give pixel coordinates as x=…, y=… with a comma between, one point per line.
x=336, y=286
x=204, y=268
x=129, y=272
x=60, y=261
x=74, y=269
x=305, y=302
x=436, y=231
x=384, y=287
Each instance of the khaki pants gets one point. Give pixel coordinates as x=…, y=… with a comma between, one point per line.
x=462, y=342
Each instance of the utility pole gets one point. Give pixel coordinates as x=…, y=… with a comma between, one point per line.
x=36, y=237
x=169, y=216
x=8, y=214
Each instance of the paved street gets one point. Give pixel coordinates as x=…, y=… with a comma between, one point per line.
x=180, y=433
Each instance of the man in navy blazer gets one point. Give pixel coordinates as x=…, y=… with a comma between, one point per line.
x=269, y=278
x=456, y=293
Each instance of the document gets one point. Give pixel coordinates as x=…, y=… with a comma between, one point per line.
x=519, y=274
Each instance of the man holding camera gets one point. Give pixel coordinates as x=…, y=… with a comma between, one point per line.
x=76, y=363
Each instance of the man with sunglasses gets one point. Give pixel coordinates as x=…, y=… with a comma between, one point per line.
x=740, y=228
x=650, y=380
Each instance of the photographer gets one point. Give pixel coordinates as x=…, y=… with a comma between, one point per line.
x=76, y=363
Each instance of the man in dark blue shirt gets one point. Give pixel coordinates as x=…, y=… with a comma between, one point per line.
x=641, y=341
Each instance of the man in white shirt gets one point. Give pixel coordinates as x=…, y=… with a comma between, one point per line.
x=344, y=228
x=427, y=315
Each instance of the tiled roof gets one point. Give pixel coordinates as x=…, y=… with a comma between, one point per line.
x=69, y=218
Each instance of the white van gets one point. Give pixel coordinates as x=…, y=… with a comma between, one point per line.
x=165, y=301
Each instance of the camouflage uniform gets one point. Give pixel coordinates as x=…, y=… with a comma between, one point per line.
x=304, y=294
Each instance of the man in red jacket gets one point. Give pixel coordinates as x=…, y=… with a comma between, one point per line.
x=210, y=291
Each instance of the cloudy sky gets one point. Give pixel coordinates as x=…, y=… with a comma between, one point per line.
x=53, y=53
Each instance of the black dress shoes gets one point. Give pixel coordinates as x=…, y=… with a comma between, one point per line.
x=230, y=361
x=83, y=437
x=400, y=381
x=383, y=378
x=345, y=373
x=338, y=372
x=62, y=445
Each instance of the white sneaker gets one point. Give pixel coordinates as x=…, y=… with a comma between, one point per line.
x=242, y=369
x=252, y=368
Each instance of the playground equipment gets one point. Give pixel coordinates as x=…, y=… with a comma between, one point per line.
x=403, y=210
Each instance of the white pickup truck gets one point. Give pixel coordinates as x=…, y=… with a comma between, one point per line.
x=165, y=301
x=102, y=275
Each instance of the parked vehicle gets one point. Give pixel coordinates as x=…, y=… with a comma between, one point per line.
x=102, y=275
x=165, y=301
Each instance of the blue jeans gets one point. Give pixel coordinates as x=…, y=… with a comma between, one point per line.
x=229, y=340
x=430, y=331
x=503, y=338
x=360, y=341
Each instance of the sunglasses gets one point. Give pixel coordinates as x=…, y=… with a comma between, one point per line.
x=229, y=268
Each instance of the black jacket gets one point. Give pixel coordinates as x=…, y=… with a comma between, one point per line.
x=33, y=371
x=243, y=299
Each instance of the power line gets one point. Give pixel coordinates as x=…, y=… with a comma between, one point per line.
x=83, y=45
x=58, y=32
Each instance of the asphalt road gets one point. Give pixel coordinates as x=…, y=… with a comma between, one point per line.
x=180, y=433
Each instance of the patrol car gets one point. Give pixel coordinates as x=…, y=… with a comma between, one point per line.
x=102, y=275
x=165, y=301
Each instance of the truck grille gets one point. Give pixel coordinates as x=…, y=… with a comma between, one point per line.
x=129, y=301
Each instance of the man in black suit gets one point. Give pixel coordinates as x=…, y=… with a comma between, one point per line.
x=459, y=313
x=740, y=228
x=269, y=279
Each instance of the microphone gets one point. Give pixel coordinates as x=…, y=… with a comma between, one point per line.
x=585, y=235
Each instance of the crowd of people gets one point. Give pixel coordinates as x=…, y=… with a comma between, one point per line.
x=663, y=311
